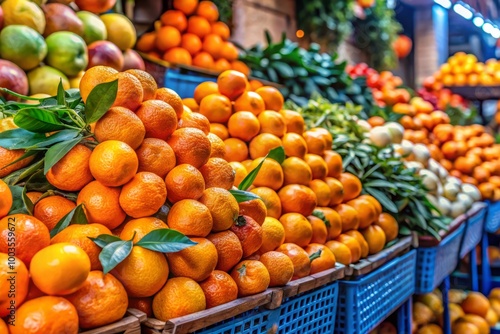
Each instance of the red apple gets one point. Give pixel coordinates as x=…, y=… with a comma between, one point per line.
x=60, y=17
x=133, y=61
x=12, y=77
x=105, y=53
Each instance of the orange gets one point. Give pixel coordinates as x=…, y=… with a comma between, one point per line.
x=94, y=76
x=336, y=190
x=297, y=198
x=449, y=150
x=184, y=182
x=352, y=186
x=219, y=288
x=271, y=201
x=318, y=166
x=250, y=101
x=272, y=97
x=250, y=234
x=138, y=228
x=479, y=322
x=142, y=304
x=261, y=144
x=487, y=189
x=78, y=235
x=319, y=230
x=72, y=172
x=298, y=230
x=349, y=216
x=31, y=236
x=60, y=269
x=101, y=204
x=13, y=268
x=481, y=174
x=147, y=41
x=222, y=65
x=199, y=26
x=217, y=172
x=240, y=66
x=216, y=107
x=326, y=135
x=208, y=10
x=130, y=92
x=192, y=43
x=191, y=218
x=178, y=55
x=147, y=81
x=353, y=245
x=194, y=120
x=465, y=328
x=294, y=145
x=389, y=225
x=204, y=89
x=341, y=252
x=50, y=210
x=204, y=59
x=316, y=143
x=375, y=203
x=229, y=249
x=375, y=237
x=272, y=122
x=229, y=51
x=8, y=157
x=299, y=257
x=174, y=18
x=270, y=174
x=120, y=124
x=113, y=300
x=361, y=240
x=240, y=172
x=189, y=298
x=334, y=226
x=221, y=29
x=322, y=191
x=212, y=44
x=251, y=277
x=254, y=84
x=172, y=98
x=476, y=303
x=34, y=196
x=46, y=314
x=279, y=266
x=367, y=213
x=296, y=171
x=334, y=163
x=155, y=156
x=186, y=6
x=113, y=163
x=218, y=149
x=255, y=208
x=195, y=262
x=379, y=121
x=143, y=195
x=220, y=130
x=273, y=235
x=191, y=146
x=158, y=117
x=232, y=83
x=294, y=121
x=325, y=261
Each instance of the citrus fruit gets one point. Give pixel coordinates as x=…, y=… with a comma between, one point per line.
x=236, y=150
x=195, y=262
x=272, y=97
x=191, y=146
x=389, y=225
x=255, y=209
x=342, y=252
x=50, y=210
x=298, y=230
x=174, y=18
x=217, y=172
x=299, y=257
x=168, y=38
x=218, y=149
x=94, y=76
x=121, y=124
x=216, y=107
x=14, y=277
x=219, y=288
x=262, y=144
x=325, y=259
x=270, y=174
x=271, y=122
x=251, y=277
x=279, y=266
x=476, y=303
x=229, y=250
x=143, y=195
x=191, y=218
x=273, y=235
x=243, y=125
x=319, y=230
x=113, y=163
x=294, y=145
x=297, y=198
x=5, y=199
x=222, y=207
x=250, y=234
x=232, y=84
x=184, y=182
x=138, y=228
x=194, y=120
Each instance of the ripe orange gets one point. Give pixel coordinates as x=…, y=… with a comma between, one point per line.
x=261, y=144
x=353, y=245
x=231, y=83
x=299, y=257
x=174, y=18
x=222, y=206
x=219, y=288
x=240, y=66
x=271, y=201
x=375, y=237
x=240, y=172
x=216, y=107
x=221, y=29
x=298, y=230
x=5, y=199
x=204, y=89
x=212, y=44
x=72, y=172
x=365, y=249
x=222, y=65
x=251, y=277
x=178, y=55
x=279, y=266
x=147, y=81
x=112, y=305
x=169, y=96
x=194, y=120
x=249, y=101
x=94, y=76
x=60, y=269
x=479, y=322
x=78, y=235
x=326, y=135
x=294, y=145
x=322, y=191
x=272, y=122
x=220, y=130
x=50, y=210
x=13, y=268
x=155, y=156
x=46, y=314
x=191, y=218
x=294, y=121
x=195, y=262
x=367, y=213
x=273, y=235
x=476, y=303
x=138, y=228
x=389, y=225
x=192, y=44
x=465, y=327
x=142, y=304
x=199, y=26
x=250, y=234
x=349, y=216
x=325, y=261
x=316, y=144
x=130, y=92
x=296, y=171
x=31, y=236
x=120, y=124
x=229, y=52
x=191, y=146
x=189, y=298
x=158, y=117
x=297, y=198
x=208, y=10
x=218, y=149
x=146, y=42
x=318, y=166
x=217, y=172
x=113, y=163
x=143, y=195
x=270, y=174
x=334, y=220
x=229, y=249
x=101, y=204
x=342, y=252
x=186, y=6
x=334, y=163
x=254, y=84
x=352, y=186
x=184, y=182
x=319, y=230
x=255, y=209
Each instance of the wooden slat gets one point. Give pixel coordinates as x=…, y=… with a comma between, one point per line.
x=138, y=314
x=127, y=324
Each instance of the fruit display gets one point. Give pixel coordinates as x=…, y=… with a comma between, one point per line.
x=190, y=34
x=41, y=45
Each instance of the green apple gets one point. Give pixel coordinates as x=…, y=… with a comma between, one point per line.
x=67, y=52
x=93, y=27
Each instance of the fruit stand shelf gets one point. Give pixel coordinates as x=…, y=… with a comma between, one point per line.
x=130, y=324
x=477, y=93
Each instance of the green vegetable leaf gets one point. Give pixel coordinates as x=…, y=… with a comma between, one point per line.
x=77, y=215
x=104, y=239
x=165, y=240
x=383, y=199
x=114, y=253
x=19, y=138
x=38, y=120
x=379, y=184
x=100, y=99
x=57, y=152
x=243, y=196
x=61, y=94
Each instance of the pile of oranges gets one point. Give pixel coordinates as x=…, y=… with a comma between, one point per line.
x=190, y=34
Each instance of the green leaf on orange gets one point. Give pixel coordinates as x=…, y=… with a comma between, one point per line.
x=114, y=253
x=104, y=239
x=38, y=120
x=243, y=196
x=57, y=152
x=165, y=240
x=277, y=153
x=77, y=215
x=100, y=99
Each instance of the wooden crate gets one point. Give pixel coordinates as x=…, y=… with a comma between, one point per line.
x=130, y=324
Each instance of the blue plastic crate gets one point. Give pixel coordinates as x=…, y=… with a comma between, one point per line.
x=368, y=300
x=473, y=232
x=436, y=263
x=256, y=321
x=184, y=82
x=311, y=312
x=405, y=317
x=492, y=217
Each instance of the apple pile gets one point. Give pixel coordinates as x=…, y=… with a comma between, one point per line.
x=43, y=43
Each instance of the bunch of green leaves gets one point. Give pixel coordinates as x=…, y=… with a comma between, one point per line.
x=225, y=10
x=383, y=174
x=303, y=73
x=325, y=21
x=375, y=34
x=461, y=115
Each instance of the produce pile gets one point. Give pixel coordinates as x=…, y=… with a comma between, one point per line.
x=190, y=34
x=44, y=43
